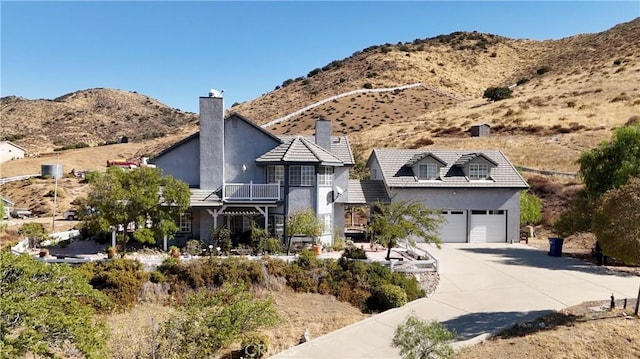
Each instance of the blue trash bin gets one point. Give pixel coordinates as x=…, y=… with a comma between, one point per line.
x=555, y=247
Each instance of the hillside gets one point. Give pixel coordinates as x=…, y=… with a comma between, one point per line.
x=93, y=117
x=570, y=94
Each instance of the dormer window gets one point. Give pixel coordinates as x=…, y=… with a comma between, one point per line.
x=428, y=171
x=478, y=171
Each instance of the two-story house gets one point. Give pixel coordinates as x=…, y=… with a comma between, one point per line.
x=239, y=172
x=477, y=192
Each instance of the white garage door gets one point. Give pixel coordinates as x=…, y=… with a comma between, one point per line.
x=488, y=226
x=454, y=230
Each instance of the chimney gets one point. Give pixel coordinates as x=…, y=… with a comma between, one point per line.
x=211, y=141
x=323, y=134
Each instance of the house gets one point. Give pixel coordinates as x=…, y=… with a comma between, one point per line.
x=10, y=151
x=240, y=173
x=477, y=192
x=480, y=130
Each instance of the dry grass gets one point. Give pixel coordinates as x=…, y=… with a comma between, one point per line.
x=573, y=333
x=133, y=332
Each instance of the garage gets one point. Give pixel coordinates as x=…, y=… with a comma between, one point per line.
x=488, y=226
x=454, y=230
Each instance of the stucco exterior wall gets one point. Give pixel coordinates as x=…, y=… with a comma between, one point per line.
x=468, y=198
x=183, y=162
x=301, y=198
x=243, y=144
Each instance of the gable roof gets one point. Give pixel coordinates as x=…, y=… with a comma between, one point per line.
x=419, y=156
x=396, y=174
x=466, y=158
x=299, y=150
x=197, y=135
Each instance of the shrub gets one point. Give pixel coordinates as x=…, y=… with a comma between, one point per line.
x=193, y=247
x=270, y=245
x=354, y=252
x=314, y=72
x=367, y=86
x=543, y=70
x=389, y=296
x=497, y=93
x=120, y=279
x=522, y=81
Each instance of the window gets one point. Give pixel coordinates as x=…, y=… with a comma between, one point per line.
x=301, y=175
x=478, y=171
x=374, y=173
x=185, y=222
x=276, y=225
x=325, y=176
x=428, y=171
x=326, y=222
x=275, y=174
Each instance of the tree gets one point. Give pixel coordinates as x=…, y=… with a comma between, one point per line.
x=398, y=220
x=497, y=93
x=418, y=339
x=530, y=208
x=607, y=166
x=209, y=322
x=616, y=222
x=47, y=309
x=303, y=223
x=140, y=201
x=611, y=164
x=35, y=232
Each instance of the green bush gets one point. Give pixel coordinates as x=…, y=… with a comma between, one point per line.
x=497, y=93
x=120, y=279
x=270, y=245
x=194, y=247
x=389, y=296
x=354, y=252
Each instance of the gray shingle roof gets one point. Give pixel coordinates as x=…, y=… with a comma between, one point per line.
x=396, y=174
x=464, y=159
x=367, y=191
x=340, y=147
x=418, y=156
x=204, y=198
x=299, y=150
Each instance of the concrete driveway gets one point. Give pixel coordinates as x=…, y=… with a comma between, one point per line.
x=483, y=288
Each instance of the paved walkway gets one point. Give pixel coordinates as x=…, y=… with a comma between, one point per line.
x=483, y=288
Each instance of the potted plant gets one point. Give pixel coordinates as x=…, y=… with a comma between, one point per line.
x=316, y=247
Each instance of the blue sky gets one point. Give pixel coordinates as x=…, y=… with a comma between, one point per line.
x=176, y=51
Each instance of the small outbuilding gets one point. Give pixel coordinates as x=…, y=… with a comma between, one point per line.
x=480, y=130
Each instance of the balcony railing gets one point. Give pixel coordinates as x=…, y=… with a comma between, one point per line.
x=251, y=191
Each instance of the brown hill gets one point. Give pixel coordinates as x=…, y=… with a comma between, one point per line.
x=570, y=94
x=92, y=117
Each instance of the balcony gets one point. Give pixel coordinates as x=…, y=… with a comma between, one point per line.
x=251, y=192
